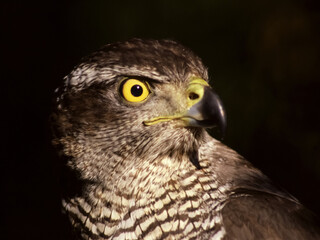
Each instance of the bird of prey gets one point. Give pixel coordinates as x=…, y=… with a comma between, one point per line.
x=130, y=125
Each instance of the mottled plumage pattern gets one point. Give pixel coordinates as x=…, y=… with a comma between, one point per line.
x=124, y=179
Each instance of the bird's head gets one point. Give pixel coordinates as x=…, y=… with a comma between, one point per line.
x=138, y=99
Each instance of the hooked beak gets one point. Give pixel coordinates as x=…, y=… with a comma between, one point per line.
x=208, y=112
x=205, y=108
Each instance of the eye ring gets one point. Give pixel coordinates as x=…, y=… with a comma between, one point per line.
x=134, y=90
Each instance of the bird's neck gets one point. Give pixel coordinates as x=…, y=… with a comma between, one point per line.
x=168, y=195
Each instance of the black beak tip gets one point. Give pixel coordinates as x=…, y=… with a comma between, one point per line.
x=215, y=111
x=222, y=125
x=209, y=112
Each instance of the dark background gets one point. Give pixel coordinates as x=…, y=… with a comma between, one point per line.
x=263, y=59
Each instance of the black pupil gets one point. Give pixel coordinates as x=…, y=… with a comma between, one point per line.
x=136, y=90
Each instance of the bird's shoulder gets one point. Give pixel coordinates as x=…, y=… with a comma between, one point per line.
x=260, y=215
x=255, y=207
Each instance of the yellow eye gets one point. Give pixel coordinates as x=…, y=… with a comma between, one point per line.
x=134, y=90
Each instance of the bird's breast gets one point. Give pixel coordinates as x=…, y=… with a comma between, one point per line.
x=188, y=203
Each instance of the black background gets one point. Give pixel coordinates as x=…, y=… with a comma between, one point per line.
x=263, y=59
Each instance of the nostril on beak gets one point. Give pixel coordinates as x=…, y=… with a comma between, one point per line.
x=193, y=96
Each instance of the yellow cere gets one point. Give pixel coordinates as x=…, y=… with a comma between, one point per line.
x=195, y=91
x=134, y=90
